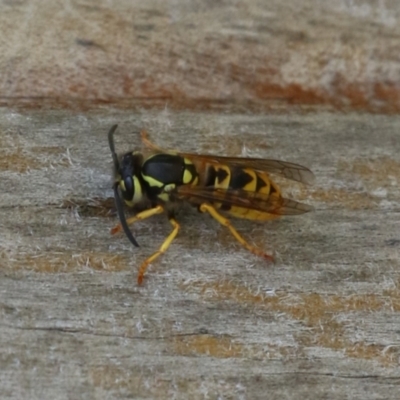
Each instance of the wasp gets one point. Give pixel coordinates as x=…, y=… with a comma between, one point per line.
x=160, y=180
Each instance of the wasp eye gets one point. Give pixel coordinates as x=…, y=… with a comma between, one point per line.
x=128, y=192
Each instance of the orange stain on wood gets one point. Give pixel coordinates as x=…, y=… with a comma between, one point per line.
x=226, y=347
x=380, y=172
x=18, y=162
x=317, y=312
x=389, y=94
x=219, y=347
x=375, y=97
x=344, y=198
x=263, y=96
x=19, y=159
x=293, y=93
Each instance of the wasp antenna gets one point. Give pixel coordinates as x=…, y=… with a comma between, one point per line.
x=112, y=146
x=121, y=215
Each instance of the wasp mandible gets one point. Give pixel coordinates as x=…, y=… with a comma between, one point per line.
x=232, y=186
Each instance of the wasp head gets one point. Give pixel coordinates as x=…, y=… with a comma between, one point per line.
x=126, y=182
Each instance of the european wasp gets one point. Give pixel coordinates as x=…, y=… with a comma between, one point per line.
x=235, y=186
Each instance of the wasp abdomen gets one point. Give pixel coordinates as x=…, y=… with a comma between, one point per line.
x=236, y=178
x=224, y=177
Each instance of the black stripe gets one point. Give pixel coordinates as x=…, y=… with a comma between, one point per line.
x=272, y=189
x=239, y=178
x=260, y=183
x=225, y=207
x=210, y=178
x=221, y=175
x=192, y=169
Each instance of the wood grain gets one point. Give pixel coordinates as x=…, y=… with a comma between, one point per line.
x=211, y=320
x=201, y=55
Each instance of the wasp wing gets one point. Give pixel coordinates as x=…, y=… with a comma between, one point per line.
x=241, y=198
x=288, y=170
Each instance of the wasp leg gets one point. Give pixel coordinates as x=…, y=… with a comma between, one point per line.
x=163, y=248
x=224, y=221
x=146, y=141
x=138, y=217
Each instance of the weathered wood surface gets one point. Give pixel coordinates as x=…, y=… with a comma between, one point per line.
x=211, y=321
x=197, y=54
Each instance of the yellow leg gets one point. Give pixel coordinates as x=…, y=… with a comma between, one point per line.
x=138, y=217
x=146, y=141
x=224, y=221
x=160, y=251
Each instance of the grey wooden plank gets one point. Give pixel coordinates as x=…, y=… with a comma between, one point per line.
x=211, y=319
x=196, y=55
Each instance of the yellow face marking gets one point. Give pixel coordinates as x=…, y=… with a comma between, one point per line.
x=137, y=192
x=129, y=203
x=137, y=187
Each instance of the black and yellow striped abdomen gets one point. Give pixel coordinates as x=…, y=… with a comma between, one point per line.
x=247, y=179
